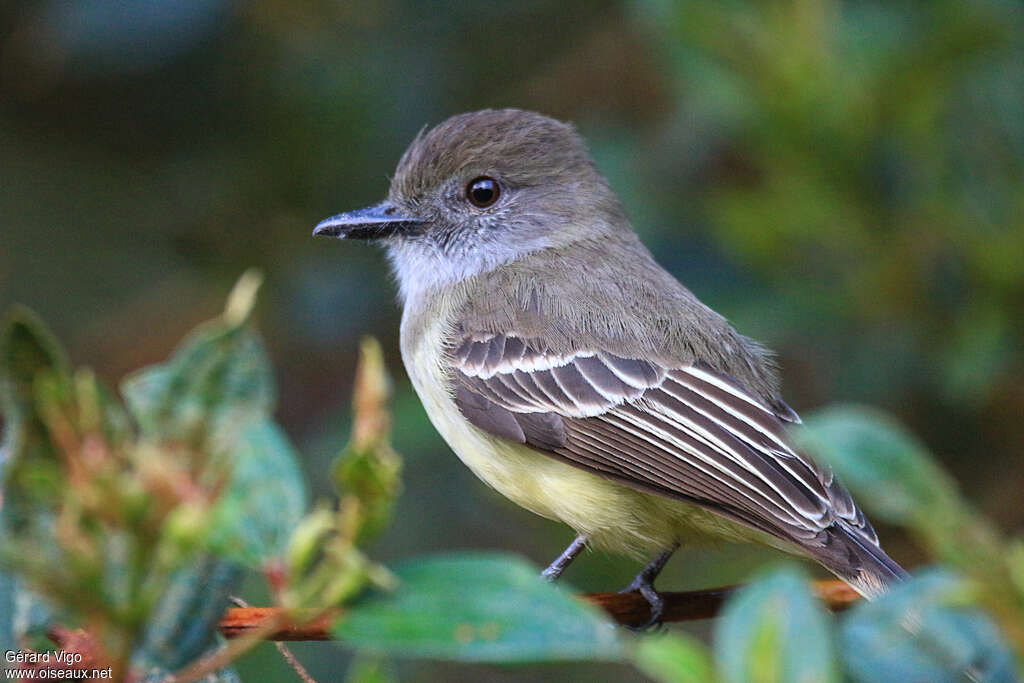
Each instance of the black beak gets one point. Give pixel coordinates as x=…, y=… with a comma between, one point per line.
x=374, y=222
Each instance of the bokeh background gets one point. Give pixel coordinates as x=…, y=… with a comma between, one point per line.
x=843, y=180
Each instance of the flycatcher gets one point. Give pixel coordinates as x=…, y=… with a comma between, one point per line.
x=575, y=375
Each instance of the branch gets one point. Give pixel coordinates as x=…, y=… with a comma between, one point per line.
x=628, y=609
x=240, y=621
x=631, y=609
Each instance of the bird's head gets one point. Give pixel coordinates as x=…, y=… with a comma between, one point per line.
x=482, y=189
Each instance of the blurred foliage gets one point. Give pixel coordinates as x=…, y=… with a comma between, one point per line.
x=876, y=170
x=926, y=631
x=135, y=524
x=325, y=565
x=902, y=485
x=368, y=467
x=773, y=630
x=135, y=528
x=674, y=658
x=478, y=607
x=842, y=179
x=368, y=670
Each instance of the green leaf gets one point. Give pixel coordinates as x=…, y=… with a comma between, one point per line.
x=100, y=411
x=366, y=669
x=216, y=393
x=774, y=630
x=29, y=460
x=918, y=631
x=674, y=658
x=891, y=472
x=30, y=467
x=184, y=624
x=478, y=607
x=218, y=377
x=217, y=381
x=895, y=479
x=27, y=348
x=265, y=499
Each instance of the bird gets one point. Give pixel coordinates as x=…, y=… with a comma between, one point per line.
x=576, y=376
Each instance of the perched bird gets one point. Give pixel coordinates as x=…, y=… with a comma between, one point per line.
x=575, y=375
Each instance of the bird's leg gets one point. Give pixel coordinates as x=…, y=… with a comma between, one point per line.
x=644, y=585
x=556, y=568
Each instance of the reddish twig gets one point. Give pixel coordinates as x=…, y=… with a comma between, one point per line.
x=628, y=609
x=288, y=655
x=239, y=621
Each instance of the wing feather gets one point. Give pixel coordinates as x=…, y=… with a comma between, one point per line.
x=604, y=380
x=721, y=469
x=687, y=432
x=546, y=381
x=735, y=437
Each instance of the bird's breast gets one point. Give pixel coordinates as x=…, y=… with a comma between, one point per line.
x=610, y=515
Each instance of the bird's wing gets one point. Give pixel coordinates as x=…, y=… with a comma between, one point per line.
x=685, y=432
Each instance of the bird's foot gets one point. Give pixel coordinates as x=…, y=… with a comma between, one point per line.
x=644, y=585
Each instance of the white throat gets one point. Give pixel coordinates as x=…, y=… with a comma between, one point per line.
x=422, y=268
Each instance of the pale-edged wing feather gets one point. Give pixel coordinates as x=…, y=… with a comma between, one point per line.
x=686, y=432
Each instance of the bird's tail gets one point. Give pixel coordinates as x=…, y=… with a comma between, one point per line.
x=859, y=562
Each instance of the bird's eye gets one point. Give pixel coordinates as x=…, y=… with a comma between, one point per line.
x=483, y=192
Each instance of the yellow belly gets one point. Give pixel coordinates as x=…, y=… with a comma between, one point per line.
x=610, y=515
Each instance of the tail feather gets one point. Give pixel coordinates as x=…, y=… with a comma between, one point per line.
x=858, y=562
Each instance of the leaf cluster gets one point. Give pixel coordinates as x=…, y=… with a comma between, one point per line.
x=134, y=519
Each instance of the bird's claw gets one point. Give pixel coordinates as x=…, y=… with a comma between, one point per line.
x=645, y=587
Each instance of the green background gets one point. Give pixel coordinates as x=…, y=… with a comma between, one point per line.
x=843, y=180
